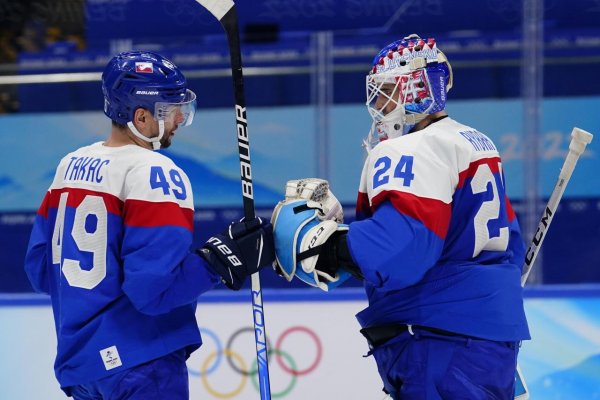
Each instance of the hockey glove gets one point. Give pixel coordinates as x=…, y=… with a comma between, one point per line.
x=317, y=190
x=300, y=238
x=242, y=249
x=334, y=255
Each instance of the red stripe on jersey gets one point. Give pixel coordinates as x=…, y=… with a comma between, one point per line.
x=362, y=204
x=434, y=214
x=472, y=169
x=113, y=204
x=510, y=213
x=43, y=210
x=148, y=214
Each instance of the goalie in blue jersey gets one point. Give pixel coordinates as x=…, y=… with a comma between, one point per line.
x=111, y=245
x=436, y=241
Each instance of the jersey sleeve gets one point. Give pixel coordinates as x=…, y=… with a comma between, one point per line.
x=160, y=272
x=408, y=191
x=36, y=261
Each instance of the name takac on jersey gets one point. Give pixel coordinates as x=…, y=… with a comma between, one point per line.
x=88, y=169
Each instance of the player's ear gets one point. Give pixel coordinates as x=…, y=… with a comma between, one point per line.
x=140, y=115
x=139, y=118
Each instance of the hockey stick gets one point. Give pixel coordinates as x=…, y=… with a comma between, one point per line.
x=225, y=12
x=579, y=140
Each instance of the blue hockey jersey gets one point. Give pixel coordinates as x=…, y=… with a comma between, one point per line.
x=111, y=245
x=436, y=237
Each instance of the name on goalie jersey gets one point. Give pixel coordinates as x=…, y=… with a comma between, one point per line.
x=86, y=169
x=478, y=140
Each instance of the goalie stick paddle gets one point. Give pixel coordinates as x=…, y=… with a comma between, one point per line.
x=579, y=140
x=225, y=12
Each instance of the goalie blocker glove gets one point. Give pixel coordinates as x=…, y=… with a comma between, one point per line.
x=242, y=249
x=313, y=250
x=334, y=254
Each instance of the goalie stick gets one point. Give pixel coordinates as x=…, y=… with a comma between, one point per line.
x=225, y=12
x=579, y=140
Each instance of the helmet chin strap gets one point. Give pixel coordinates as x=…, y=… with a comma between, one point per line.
x=155, y=141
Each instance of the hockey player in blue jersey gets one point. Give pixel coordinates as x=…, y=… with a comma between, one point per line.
x=436, y=240
x=111, y=245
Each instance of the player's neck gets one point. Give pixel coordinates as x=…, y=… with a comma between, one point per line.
x=122, y=137
x=430, y=119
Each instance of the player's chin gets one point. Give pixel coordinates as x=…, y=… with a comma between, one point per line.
x=165, y=142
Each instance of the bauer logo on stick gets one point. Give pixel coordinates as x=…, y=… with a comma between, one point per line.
x=244, y=150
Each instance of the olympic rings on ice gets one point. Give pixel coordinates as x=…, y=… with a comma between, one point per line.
x=230, y=346
x=236, y=362
x=209, y=389
x=292, y=383
x=219, y=353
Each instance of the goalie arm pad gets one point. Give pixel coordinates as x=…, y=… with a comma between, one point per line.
x=302, y=245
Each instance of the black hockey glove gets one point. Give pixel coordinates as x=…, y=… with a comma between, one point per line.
x=335, y=254
x=240, y=250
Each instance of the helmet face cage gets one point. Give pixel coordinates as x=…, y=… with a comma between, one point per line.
x=385, y=108
x=135, y=79
x=408, y=81
x=384, y=90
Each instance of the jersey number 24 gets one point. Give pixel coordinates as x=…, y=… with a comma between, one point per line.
x=489, y=210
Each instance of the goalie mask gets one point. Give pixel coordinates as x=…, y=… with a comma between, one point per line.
x=409, y=80
x=136, y=79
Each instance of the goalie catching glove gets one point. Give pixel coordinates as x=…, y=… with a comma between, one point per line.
x=309, y=243
x=242, y=249
x=317, y=190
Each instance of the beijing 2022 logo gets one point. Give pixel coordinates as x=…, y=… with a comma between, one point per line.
x=232, y=357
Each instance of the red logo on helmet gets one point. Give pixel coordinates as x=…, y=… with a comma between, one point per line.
x=144, y=67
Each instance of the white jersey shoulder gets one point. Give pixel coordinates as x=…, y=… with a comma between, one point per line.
x=470, y=144
x=426, y=163
x=127, y=172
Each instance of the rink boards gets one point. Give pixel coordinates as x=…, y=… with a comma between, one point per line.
x=315, y=345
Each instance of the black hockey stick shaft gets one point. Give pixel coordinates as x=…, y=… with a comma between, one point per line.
x=230, y=24
x=225, y=12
